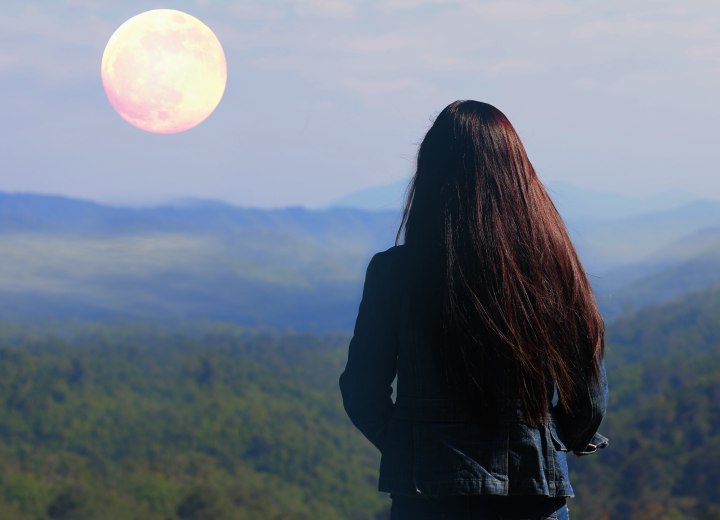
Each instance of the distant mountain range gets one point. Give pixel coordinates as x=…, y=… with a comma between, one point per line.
x=573, y=202
x=609, y=229
x=687, y=264
x=292, y=268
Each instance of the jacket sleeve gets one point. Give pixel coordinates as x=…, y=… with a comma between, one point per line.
x=580, y=424
x=366, y=383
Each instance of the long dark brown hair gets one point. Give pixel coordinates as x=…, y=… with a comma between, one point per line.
x=490, y=248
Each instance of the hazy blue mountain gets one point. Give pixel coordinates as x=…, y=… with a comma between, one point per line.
x=388, y=197
x=573, y=202
x=291, y=267
x=576, y=203
x=609, y=229
x=20, y=212
x=288, y=267
x=613, y=242
x=687, y=264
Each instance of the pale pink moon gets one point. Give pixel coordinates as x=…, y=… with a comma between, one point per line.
x=164, y=71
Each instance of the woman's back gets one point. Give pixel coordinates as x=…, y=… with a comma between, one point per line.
x=483, y=315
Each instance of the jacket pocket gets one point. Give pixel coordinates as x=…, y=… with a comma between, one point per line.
x=460, y=458
x=556, y=438
x=559, y=477
x=396, y=458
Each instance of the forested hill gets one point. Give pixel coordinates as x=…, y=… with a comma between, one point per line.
x=688, y=325
x=144, y=423
x=664, y=416
x=223, y=423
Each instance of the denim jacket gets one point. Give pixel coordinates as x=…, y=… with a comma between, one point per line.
x=428, y=444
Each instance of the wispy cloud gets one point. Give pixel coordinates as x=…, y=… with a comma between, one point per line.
x=408, y=5
x=377, y=43
x=36, y=45
x=384, y=86
x=706, y=52
x=512, y=67
x=255, y=11
x=524, y=10
x=327, y=8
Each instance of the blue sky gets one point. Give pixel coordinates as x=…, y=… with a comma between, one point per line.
x=326, y=97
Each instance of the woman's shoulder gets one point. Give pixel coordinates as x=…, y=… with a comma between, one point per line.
x=389, y=259
x=393, y=253
x=386, y=266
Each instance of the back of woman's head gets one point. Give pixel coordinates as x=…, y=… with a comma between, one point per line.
x=486, y=242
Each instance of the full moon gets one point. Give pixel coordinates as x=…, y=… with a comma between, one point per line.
x=164, y=71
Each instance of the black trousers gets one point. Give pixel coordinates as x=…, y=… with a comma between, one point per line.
x=477, y=507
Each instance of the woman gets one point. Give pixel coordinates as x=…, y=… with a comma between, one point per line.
x=487, y=318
